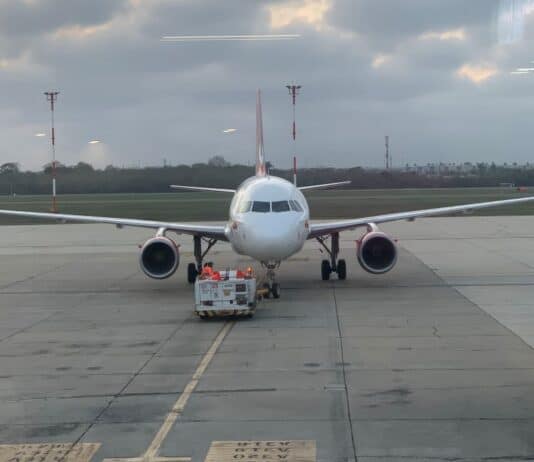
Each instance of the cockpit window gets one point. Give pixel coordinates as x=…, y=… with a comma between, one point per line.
x=244, y=206
x=280, y=206
x=266, y=207
x=262, y=207
x=295, y=206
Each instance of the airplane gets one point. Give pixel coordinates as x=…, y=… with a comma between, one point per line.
x=269, y=220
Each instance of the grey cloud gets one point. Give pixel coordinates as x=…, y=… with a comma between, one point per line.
x=148, y=100
x=383, y=23
x=191, y=17
x=18, y=18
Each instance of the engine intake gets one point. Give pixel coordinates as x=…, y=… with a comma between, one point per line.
x=377, y=253
x=159, y=257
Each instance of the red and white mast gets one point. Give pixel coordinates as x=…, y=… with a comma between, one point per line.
x=51, y=96
x=293, y=92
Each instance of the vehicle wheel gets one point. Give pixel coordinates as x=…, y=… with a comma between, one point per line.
x=326, y=269
x=342, y=270
x=192, y=273
x=268, y=292
x=275, y=290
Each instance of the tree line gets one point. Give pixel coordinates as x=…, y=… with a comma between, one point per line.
x=82, y=178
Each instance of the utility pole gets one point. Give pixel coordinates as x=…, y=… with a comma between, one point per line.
x=51, y=96
x=293, y=92
x=388, y=159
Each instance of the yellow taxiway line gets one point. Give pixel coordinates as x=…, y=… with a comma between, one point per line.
x=151, y=454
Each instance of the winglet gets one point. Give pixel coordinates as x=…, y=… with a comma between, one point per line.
x=260, y=155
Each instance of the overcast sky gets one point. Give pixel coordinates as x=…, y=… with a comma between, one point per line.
x=432, y=74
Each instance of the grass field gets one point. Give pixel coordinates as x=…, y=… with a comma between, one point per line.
x=214, y=206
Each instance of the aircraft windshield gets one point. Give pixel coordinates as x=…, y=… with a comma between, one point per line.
x=295, y=206
x=280, y=206
x=266, y=207
x=244, y=206
x=262, y=207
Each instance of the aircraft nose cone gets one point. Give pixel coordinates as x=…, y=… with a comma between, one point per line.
x=271, y=241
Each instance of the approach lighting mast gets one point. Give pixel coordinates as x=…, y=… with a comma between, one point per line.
x=51, y=96
x=388, y=157
x=293, y=92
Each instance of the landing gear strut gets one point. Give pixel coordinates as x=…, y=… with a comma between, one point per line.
x=333, y=265
x=272, y=286
x=194, y=269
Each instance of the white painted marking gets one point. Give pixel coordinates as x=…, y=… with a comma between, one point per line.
x=151, y=454
x=155, y=459
x=282, y=451
x=48, y=452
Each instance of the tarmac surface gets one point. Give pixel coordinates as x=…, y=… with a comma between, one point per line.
x=433, y=361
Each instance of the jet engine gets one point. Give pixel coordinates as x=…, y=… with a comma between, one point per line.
x=377, y=252
x=159, y=257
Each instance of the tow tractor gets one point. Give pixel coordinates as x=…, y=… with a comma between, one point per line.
x=226, y=293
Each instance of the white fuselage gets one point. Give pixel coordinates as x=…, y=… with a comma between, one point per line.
x=268, y=219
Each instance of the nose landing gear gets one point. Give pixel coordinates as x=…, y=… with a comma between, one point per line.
x=271, y=286
x=333, y=265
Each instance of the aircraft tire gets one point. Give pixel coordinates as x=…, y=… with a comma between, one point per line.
x=326, y=269
x=268, y=292
x=342, y=270
x=192, y=273
x=275, y=290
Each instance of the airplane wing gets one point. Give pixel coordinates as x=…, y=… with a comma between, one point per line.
x=321, y=229
x=211, y=231
x=323, y=186
x=201, y=188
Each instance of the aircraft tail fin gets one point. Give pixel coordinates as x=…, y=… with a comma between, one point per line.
x=261, y=169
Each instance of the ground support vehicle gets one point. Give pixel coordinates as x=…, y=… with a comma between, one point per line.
x=225, y=293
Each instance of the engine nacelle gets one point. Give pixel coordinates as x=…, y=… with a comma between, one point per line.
x=377, y=252
x=159, y=257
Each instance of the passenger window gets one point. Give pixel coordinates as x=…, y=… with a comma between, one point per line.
x=262, y=207
x=244, y=206
x=295, y=206
x=280, y=206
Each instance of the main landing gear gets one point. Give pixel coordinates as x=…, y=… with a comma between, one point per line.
x=272, y=287
x=333, y=265
x=194, y=269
